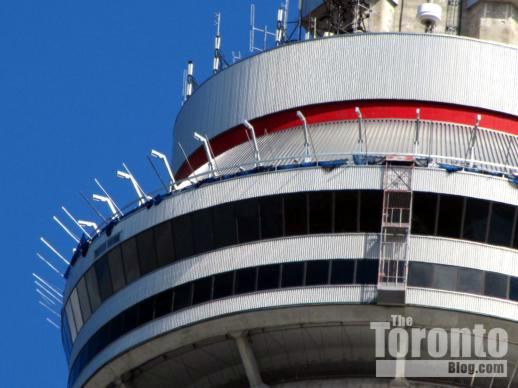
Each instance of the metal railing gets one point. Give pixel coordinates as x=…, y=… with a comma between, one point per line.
x=322, y=160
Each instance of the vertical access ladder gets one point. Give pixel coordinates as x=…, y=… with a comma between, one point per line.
x=395, y=230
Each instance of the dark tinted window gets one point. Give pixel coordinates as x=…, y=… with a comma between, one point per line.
x=371, y=203
x=317, y=272
x=164, y=243
x=268, y=277
x=450, y=216
x=130, y=318
x=103, y=278
x=420, y=275
x=424, y=213
x=93, y=288
x=117, y=326
x=182, y=296
x=247, y=216
x=146, y=252
x=292, y=275
x=342, y=271
x=271, y=217
x=320, y=212
x=145, y=313
x=367, y=272
x=245, y=280
x=202, y=290
x=445, y=277
x=501, y=228
x=469, y=280
x=295, y=212
x=495, y=285
x=163, y=303
x=202, y=238
x=475, y=219
x=84, y=301
x=116, y=269
x=182, y=236
x=223, y=285
x=513, y=289
x=346, y=211
x=130, y=260
x=224, y=226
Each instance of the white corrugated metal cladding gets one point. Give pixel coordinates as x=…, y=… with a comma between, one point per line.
x=421, y=67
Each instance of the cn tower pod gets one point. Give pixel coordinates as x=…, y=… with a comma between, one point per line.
x=333, y=197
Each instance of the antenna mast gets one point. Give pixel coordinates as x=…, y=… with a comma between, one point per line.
x=254, y=29
x=216, y=66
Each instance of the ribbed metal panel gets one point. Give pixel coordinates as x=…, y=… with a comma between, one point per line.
x=463, y=253
x=229, y=259
x=421, y=67
x=259, y=300
x=449, y=300
x=290, y=181
x=444, y=142
x=353, y=246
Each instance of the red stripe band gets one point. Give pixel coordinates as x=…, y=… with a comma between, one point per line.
x=341, y=111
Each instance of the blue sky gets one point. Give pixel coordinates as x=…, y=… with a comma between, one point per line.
x=85, y=86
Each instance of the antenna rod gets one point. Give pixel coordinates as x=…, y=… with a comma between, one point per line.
x=48, y=285
x=44, y=288
x=279, y=33
x=93, y=207
x=48, y=308
x=53, y=323
x=300, y=19
x=50, y=265
x=47, y=291
x=216, y=65
x=75, y=221
x=67, y=231
x=190, y=79
x=286, y=13
x=54, y=250
x=254, y=141
x=108, y=195
x=45, y=297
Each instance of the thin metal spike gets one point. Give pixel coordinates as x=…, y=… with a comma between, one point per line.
x=187, y=160
x=75, y=221
x=50, y=265
x=42, y=287
x=45, y=297
x=54, y=250
x=53, y=288
x=67, y=231
x=93, y=208
x=52, y=323
x=48, y=308
x=156, y=173
x=108, y=195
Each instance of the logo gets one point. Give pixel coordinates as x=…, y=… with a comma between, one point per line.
x=403, y=350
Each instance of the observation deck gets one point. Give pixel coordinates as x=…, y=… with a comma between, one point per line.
x=226, y=280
